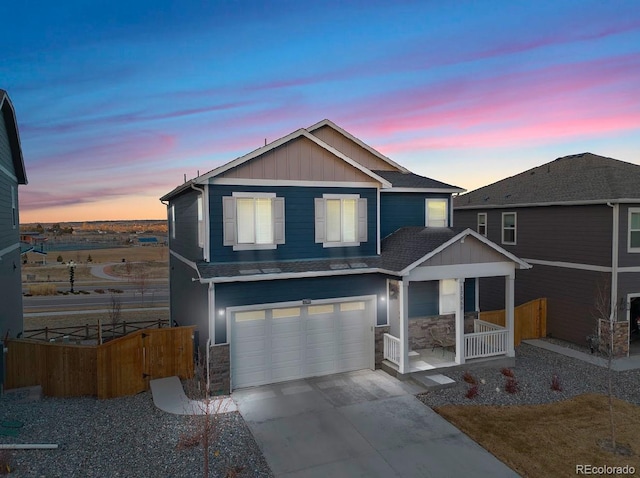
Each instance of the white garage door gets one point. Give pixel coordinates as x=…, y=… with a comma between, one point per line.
x=275, y=344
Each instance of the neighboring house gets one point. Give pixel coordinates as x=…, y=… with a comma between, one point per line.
x=577, y=221
x=317, y=254
x=12, y=174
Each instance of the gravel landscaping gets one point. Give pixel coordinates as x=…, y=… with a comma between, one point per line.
x=124, y=437
x=533, y=375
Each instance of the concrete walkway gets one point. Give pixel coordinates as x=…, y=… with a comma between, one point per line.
x=363, y=423
x=169, y=396
x=619, y=364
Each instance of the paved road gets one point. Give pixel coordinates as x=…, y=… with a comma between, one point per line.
x=156, y=295
x=358, y=424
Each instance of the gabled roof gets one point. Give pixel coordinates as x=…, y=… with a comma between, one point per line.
x=264, y=149
x=8, y=113
x=580, y=178
x=331, y=124
x=413, y=181
x=410, y=246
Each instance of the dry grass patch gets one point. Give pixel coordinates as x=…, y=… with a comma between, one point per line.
x=551, y=439
x=43, y=289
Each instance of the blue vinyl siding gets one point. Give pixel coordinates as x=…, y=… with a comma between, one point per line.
x=185, y=242
x=469, y=295
x=404, y=209
x=299, y=225
x=424, y=299
x=266, y=292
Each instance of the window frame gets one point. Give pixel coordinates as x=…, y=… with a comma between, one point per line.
x=631, y=211
x=446, y=211
x=277, y=221
x=514, y=228
x=443, y=299
x=200, y=212
x=360, y=220
x=484, y=215
x=14, y=208
x=172, y=220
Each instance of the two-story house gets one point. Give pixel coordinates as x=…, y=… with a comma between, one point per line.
x=316, y=254
x=12, y=174
x=577, y=220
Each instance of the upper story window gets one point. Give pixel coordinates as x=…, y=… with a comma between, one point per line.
x=340, y=220
x=253, y=221
x=172, y=220
x=633, y=241
x=14, y=208
x=482, y=223
x=436, y=213
x=509, y=228
x=200, y=202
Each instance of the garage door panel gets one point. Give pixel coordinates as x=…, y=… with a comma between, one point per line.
x=302, y=341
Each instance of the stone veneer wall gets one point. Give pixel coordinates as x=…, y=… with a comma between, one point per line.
x=379, y=344
x=220, y=370
x=620, y=338
x=420, y=337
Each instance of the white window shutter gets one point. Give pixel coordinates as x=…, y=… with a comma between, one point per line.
x=362, y=220
x=278, y=220
x=320, y=219
x=229, y=220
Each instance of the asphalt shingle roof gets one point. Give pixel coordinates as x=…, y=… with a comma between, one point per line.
x=409, y=244
x=398, y=179
x=580, y=177
x=398, y=250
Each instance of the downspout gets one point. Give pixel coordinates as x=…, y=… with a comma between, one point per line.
x=615, y=237
x=211, y=313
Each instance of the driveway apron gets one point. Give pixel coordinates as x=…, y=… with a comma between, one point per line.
x=358, y=424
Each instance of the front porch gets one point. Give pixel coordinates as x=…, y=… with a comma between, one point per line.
x=433, y=304
x=486, y=341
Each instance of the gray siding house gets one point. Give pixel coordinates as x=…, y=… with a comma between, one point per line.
x=577, y=221
x=316, y=254
x=12, y=174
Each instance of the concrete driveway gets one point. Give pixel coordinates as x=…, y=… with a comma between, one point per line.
x=358, y=424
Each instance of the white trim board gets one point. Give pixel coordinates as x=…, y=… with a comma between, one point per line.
x=8, y=173
x=571, y=265
x=9, y=249
x=187, y=262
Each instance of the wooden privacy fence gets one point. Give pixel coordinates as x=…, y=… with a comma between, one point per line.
x=530, y=320
x=93, y=331
x=120, y=367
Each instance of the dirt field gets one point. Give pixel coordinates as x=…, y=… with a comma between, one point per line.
x=155, y=259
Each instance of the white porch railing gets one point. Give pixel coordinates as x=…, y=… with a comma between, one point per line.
x=392, y=349
x=486, y=344
x=483, y=326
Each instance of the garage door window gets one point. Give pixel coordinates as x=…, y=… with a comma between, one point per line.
x=349, y=306
x=250, y=315
x=284, y=313
x=320, y=309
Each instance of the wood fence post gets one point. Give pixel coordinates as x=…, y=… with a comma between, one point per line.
x=46, y=333
x=86, y=331
x=124, y=327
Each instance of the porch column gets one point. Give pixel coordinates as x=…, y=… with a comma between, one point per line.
x=404, y=326
x=509, y=317
x=460, y=321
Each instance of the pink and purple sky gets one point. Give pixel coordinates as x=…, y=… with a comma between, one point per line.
x=116, y=101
